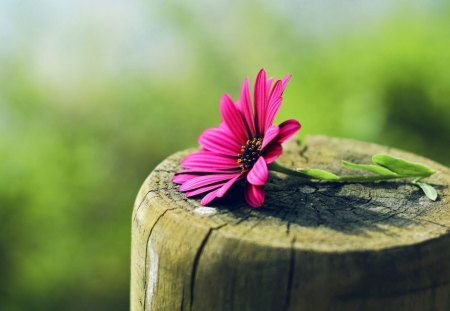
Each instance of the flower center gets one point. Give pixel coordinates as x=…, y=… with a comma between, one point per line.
x=249, y=153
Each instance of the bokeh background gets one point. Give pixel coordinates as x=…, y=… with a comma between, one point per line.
x=93, y=94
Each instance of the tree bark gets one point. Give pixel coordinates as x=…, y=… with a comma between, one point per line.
x=312, y=246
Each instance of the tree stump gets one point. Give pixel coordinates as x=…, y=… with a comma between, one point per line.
x=314, y=246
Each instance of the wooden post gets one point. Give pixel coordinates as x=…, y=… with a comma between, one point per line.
x=378, y=246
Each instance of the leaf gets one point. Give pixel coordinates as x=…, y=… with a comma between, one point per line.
x=319, y=174
x=369, y=167
x=401, y=166
x=429, y=190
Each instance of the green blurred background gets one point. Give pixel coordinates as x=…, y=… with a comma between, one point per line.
x=93, y=94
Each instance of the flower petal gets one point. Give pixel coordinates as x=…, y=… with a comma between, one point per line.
x=217, y=140
x=181, y=179
x=254, y=195
x=203, y=190
x=209, y=197
x=287, y=129
x=284, y=81
x=274, y=103
x=272, y=152
x=269, y=135
x=260, y=97
x=207, y=159
x=203, y=170
x=227, y=186
x=272, y=110
x=269, y=83
x=219, y=192
x=245, y=106
x=259, y=173
x=276, y=92
x=233, y=119
x=205, y=180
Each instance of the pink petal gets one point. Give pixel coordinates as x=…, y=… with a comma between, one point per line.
x=273, y=103
x=272, y=152
x=254, y=195
x=209, y=197
x=276, y=92
x=207, y=159
x=287, y=129
x=219, y=192
x=227, y=186
x=284, y=81
x=275, y=99
x=269, y=135
x=203, y=190
x=260, y=96
x=204, y=180
x=208, y=170
x=217, y=140
x=259, y=173
x=272, y=110
x=233, y=119
x=269, y=83
x=245, y=106
x=225, y=129
x=181, y=179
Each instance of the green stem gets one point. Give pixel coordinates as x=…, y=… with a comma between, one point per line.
x=368, y=178
x=279, y=168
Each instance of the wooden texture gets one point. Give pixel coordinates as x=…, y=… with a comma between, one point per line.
x=315, y=246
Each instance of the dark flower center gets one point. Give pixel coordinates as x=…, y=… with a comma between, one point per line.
x=249, y=153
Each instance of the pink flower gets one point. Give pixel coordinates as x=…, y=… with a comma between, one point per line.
x=241, y=147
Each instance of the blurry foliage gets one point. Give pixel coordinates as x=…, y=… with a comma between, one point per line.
x=391, y=87
x=72, y=160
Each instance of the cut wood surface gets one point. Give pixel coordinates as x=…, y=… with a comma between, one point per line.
x=313, y=246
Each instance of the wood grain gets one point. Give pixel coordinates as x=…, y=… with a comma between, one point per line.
x=315, y=246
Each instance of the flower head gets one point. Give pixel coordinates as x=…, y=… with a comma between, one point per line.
x=241, y=147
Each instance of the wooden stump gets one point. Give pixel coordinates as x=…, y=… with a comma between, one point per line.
x=316, y=246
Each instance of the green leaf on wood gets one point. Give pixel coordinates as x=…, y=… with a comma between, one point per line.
x=369, y=167
x=401, y=166
x=429, y=190
x=319, y=174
